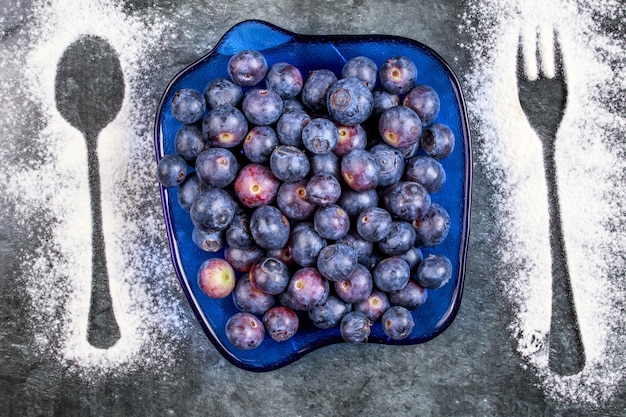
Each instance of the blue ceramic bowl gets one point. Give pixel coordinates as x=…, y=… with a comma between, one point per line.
x=309, y=53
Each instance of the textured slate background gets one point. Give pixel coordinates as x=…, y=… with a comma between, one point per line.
x=471, y=369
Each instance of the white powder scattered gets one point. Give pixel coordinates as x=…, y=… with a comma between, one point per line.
x=49, y=182
x=591, y=169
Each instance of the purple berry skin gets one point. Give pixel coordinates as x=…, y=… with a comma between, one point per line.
x=307, y=288
x=438, y=141
x=305, y=244
x=225, y=127
x=259, y=144
x=187, y=191
x=337, y=262
x=354, y=202
x=262, y=107
x=427, y=171
x=188, y=105
x=350, y=137
x=212, y=210
x=391, y=274
x=255, y=185
x=362, y=247
x=357, y=287
x=285, y=79
x=247, y=67
x=424, y=101
x=432, y=228
x=315, y=88
x=326, y=163
x=207, y=241
x=413, y=257
x=292, y=199
x=434, y=271
x=411, y=296
x=320, y=136
x=269, y=275
x=407, y=200
x=374, y=306
x=189, y=142
x=249, y=299
x=238, y=234
x=171, y=170
x=290, y=126
x=397, y=323
x=384, y=100
x=222, y=92
x=397, y=75
x=242, y=259
x=328, y=314
x=355, y=327
x=349, y=101
x=359, y=170
x=401, y=238
x=331, y=222
x=400, y=127
x=290, y=104
x=269, y=227
x=391, y=162
x=373, y=224
x=281, y=323
x=323, y=189
x=289, y=163
x=363, y=68
x=245, y=331
x=216, y=167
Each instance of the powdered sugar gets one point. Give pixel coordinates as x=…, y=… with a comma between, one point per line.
x=590, y=172
x=49, y=189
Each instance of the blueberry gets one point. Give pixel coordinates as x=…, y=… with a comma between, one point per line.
x=397, y=323
x=433, y=227
x=247, y=68
x=354, y=202
x=212, y=210
x=337, y=262
x=384, y=100
x=222, y=92
x=391, y=162
x=323, y=189
x=350, y=137
x=391, y=274
x=355, y=327
x=260, y=143
x=363, y=68
x=282, y=254
x=438, y=141
x=328, y=314
x=306, y=289
x=285, y=79
x=290, y=104
x=412, y=257
x=238, y=234
x=216, y=167
x=374, y=306
x=171, y=170
x=292, y=199
x=216, y=278
x=225, y=127
x=281, y=323
x=290, y=125
x=262, y=106
x=188, y=105
x=424, y=100
x=357, y=287
x=249, y=299
x=188, y=190
x=242, y=259
x=255, y=185
x=269, y=227
x=434, y=271
x=398, y=74
x=245, y=331
x=373, y=224
x=407, y=200
x=189, y=142
x=315, y=87
x=372, y=260
x=362, y=247
x=400, y=127
x=411, y=296
x=289, y=163
x=331, y=222
x=305, y=244
x=427, y=171
x=401, y=238
x=326, y=163
x=320, y=136
x=360, y=170
x=349, y=101
x=208, y=241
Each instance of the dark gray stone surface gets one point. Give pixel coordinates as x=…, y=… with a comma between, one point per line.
x=472, y=369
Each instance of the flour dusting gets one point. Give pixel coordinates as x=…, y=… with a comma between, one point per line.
x=49, y=191
x=591, y=171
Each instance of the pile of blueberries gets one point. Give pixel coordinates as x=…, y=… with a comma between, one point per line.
x=316, y=191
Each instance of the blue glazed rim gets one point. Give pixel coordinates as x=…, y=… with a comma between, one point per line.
x=263, y=36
